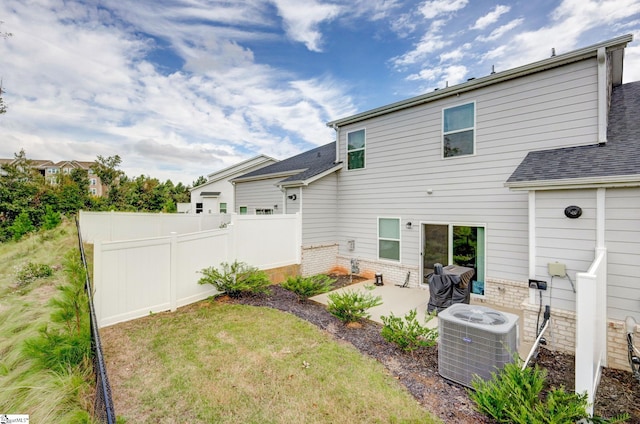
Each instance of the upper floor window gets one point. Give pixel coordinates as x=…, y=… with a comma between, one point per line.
x=92, y=181
x=223, y=208
x=53, y=170
x=355, y=149
x=243, y=210
x=458, y=130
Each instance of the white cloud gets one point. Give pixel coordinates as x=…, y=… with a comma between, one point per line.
x=431, y=9
x=501, y=30
x=430, y=42
x=491, y=17
x=301, y=21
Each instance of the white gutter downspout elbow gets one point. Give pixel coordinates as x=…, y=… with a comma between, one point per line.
x=603, y=95
x=337, y=130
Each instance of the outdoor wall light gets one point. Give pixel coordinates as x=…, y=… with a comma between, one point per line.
x=409, y=225
x=573, y=212
x=292, y=197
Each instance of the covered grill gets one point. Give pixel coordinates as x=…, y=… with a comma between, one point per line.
x=448, y=285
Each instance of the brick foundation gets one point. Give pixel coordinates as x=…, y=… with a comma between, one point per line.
x=318, y=259
x=391, y=273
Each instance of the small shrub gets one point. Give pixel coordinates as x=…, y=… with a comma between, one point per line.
x=306, y=287
x=51, y=218
x=236, y=279
x=31, y=272
x=408, y=334
x=21, y=226
x=351, y=306
x=512, y=395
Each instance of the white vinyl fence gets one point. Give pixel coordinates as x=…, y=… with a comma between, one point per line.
x=112, y=226
x=591, y=326
x=133, y=278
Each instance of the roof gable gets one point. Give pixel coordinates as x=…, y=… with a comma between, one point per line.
x=298, y=168
x=616, y=161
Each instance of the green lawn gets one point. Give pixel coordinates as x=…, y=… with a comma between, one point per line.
x=223, y=363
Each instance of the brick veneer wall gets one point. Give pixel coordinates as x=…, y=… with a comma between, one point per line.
x=318, y=259
x=391, y=273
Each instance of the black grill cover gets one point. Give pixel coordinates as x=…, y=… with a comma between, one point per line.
x=448, y=285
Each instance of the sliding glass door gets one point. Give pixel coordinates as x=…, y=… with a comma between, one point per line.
x=450, y=244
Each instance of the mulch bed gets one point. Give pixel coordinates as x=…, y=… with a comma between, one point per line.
x=418, y=372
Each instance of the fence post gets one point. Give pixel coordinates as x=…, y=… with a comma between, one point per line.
x=585, y=332
x=173, y=278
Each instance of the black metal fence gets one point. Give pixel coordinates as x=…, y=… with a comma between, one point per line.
x=103, y=410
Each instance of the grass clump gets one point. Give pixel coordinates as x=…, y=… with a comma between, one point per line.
x=513, y=395
x=31, y=272
x=306, y=287
x=352, y=305
x=67, y=345
x=236, y=279
x=27, y=386
x=407, y=333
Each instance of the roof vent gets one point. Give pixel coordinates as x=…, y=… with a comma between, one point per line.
x=553, y=51
x=493, y=69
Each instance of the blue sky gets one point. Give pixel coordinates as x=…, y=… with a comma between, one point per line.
x=183, y=88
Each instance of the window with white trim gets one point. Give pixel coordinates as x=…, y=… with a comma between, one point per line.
x=355, y=149
x=264, y=211
x=458, y=130
x=389, y=238
x=223, y=208
x=243, y=210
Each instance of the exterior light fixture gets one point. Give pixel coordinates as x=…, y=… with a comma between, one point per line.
x=573, y=212
x=409, y=225
x=292, y=197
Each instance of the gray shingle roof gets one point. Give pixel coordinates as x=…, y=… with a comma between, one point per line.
x=620, y=156
x=310, y=164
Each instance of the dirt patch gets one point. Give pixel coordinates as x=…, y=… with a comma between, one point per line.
x=618, y=391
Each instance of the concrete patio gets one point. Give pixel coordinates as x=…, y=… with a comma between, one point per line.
x=401, y=300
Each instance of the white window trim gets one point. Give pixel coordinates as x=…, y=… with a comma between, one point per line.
x=363, y=149
x=474, y=128
x=399, y=240
x=240, y=208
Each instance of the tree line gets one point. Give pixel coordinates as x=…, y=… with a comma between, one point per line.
x=29, y=202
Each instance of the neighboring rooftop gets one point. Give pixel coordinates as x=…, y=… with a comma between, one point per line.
x=617, y=161
x=300, y=168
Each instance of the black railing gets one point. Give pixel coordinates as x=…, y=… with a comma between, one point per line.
x=103, y=410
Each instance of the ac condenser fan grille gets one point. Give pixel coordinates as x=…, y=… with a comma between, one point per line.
x=478, y=316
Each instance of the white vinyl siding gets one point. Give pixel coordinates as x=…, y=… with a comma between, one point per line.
x=546, y=110
x=564, y=240
x=320, y=208
x=622, y=233
x=261, y=194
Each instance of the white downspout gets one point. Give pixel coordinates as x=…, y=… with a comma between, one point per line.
x=337, y=130
x=603, y=96
x=532, y=244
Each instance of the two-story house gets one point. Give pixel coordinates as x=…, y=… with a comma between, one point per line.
x=524, y=174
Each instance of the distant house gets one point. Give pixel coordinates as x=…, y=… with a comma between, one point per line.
x=217, y=195
x=306, y=183
x=51, y=172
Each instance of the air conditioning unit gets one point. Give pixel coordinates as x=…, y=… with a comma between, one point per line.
x=475, y=340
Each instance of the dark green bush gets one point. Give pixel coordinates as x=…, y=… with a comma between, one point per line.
x=351, y=305
x=408, y=334
x=51, y=218
x=21, y=226
x=513, y=395
x=306, y=287
x=236, y=279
